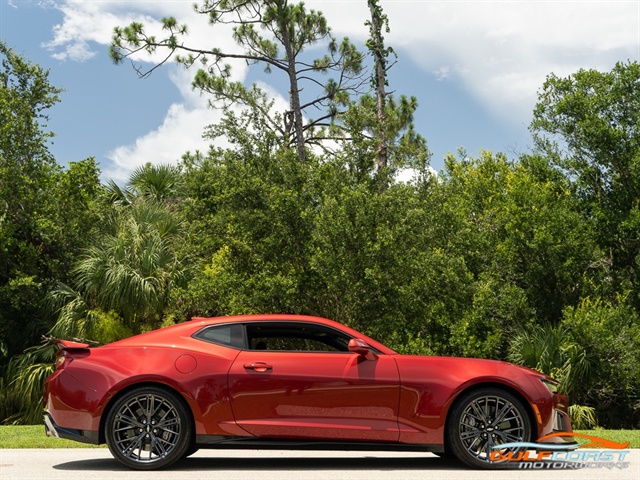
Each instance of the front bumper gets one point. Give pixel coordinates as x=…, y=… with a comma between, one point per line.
x=561, y=421
x=84, y=436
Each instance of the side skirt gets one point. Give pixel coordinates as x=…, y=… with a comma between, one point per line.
x=256, y=443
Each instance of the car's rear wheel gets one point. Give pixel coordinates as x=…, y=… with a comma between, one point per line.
x=148, y=428
x=481, y=421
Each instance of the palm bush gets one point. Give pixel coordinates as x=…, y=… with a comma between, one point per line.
x=582, y=417
x=549, y=350
x=121, y=285
x=610, y=332
x=24, y=392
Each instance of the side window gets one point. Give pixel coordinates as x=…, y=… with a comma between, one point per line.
x=288, y=336
x=231, y=335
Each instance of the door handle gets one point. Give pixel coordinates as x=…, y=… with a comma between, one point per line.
x=258, y=366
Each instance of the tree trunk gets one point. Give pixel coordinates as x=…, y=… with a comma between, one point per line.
x=294, y=93
x=380, y=81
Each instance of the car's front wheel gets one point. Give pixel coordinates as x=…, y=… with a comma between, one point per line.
x=148, y=428
x=481, y=421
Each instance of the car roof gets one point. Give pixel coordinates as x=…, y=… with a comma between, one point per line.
x=262, y=317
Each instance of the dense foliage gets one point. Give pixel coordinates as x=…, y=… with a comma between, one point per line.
x=533, y=259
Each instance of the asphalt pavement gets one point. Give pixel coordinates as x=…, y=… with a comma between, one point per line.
x=89, y=464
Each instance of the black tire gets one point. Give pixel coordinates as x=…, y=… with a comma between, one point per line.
x=192, y=450
x=483, y=419
x=148, y=428
x=445, y=458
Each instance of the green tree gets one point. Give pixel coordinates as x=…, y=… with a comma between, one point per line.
x=291, y=30
x=132, y=269
x=26, y=95
x=589, y=123
x=379, y=266
x=522, y=236
x=46, y=212
x=380, y=53
x=403, y=147
x=26, y=166
x=381, y=131
x=272, y=234
x=249, y=210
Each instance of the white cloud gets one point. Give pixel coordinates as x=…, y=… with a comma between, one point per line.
x=443, y=72
x=180, y=132
x=86, y=24
x=502, y=50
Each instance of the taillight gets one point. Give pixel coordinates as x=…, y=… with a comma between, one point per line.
x=63, y=360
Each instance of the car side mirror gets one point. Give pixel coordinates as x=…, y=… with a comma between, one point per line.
x=362, y=348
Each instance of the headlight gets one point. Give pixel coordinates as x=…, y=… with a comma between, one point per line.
x=552, y=385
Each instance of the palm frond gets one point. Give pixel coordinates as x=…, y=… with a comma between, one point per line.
x=582, y=417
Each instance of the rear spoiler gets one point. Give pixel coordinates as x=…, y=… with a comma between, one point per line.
x=70, y=345
x=75, y=344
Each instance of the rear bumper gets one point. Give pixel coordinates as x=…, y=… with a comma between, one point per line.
x=84, y=436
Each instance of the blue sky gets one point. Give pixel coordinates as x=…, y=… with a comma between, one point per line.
x=475, y=67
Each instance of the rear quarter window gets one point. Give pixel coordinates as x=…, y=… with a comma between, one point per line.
x=230, y=335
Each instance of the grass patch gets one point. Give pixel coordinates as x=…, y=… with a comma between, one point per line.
x=33, y=436
x=619, y=436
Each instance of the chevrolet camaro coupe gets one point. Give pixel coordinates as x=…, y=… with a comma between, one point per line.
x=289, y=382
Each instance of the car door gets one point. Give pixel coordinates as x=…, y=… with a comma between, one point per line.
x=300, y=381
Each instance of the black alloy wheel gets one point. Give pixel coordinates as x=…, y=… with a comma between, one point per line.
x=148, y=428
x=481, y=421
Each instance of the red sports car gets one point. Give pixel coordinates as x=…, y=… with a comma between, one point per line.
x=289, y=382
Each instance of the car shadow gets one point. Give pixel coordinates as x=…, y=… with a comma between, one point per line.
x=292, y=464
x=196, y=463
